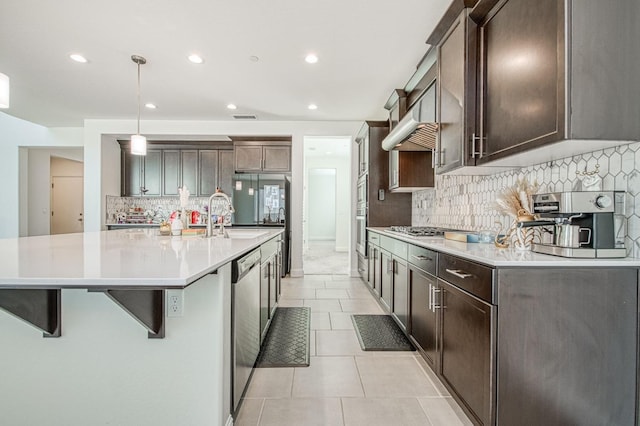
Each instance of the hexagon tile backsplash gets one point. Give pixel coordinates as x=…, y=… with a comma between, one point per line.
x=466, y=202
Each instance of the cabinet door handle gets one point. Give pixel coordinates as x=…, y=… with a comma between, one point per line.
x=459, y=273
x=435, y=291
x=431, y=297
x=421, y=257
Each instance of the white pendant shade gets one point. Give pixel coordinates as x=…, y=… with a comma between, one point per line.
x=138, y=145
x=4, y=91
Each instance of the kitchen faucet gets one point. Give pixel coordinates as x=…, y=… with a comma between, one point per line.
x=228, y=208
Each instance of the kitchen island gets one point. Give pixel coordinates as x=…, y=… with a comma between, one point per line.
x=103, y=368
x=517, y=337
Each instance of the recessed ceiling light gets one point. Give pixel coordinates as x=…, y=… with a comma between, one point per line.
x=150, y=105
x=312, y=106
x=311, y=58
x=328, y=152
x=254, y=58
x=231, y=106
x=195, y=59
x=78, y=58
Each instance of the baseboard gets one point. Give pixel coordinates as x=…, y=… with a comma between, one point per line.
x=354, y=273
x=342, y=249
x=296, y=273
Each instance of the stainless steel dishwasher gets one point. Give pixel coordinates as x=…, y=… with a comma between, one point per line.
x=245, y=321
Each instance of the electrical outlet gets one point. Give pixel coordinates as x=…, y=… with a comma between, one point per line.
x=175, y=303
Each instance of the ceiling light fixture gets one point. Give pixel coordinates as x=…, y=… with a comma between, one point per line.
x=4, y=91
x=195, y=59
x=150, y=105
x=311, y=58
x=254, y=58
x=78, y=58
x=138, y=142
x=231, y=106
x=312, y=106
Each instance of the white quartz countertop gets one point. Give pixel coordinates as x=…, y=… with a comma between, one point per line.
x=120, y=258
x=489, y=254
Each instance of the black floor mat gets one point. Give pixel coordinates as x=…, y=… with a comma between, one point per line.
x=287, y=341
x=380, y=333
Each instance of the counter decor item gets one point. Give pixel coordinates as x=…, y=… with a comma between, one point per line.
x=176, y=227
x=184, y=201
x=515, y=201
x=588, y=181
x=165, y=228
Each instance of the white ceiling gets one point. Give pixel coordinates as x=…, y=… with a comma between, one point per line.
x=366, y=49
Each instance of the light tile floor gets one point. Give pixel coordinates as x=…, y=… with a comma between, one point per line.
x=344, y=385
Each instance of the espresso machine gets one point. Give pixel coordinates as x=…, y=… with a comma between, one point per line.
x=581, y=224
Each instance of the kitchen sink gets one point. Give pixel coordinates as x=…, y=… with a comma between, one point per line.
x=244, y=234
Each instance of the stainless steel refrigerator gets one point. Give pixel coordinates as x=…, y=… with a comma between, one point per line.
x=264, y=200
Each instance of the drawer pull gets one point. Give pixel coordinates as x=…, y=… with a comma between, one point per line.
x=458, y=273
x=421, y=257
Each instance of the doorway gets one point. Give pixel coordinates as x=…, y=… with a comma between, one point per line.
x=326, y=205
x=66, y=196
x=67, y=204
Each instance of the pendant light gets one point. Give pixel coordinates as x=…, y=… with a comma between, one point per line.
x=4, y=91
x=138, y=142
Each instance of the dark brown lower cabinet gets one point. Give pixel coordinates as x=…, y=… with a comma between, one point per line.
x=467, y=364
x=568, y=347
x=400, y=292
x=386, y=279
x=423, y=314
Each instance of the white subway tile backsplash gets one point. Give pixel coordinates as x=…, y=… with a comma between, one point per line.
x=466, y=202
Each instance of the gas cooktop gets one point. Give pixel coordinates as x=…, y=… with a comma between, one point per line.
x=419, y=231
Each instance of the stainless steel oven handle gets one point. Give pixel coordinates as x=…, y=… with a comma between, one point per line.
x=459, y=273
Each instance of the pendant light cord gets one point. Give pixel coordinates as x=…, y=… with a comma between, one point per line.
x=138, y=97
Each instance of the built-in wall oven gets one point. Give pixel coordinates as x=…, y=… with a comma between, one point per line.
x=361, y=217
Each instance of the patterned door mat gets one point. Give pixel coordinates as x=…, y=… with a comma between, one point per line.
x=287, y=341
x=380, y=333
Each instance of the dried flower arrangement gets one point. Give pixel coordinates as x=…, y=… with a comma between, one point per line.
x=515, y=201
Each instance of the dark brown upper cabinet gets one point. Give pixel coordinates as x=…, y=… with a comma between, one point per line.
x=456, y=95
x=255, y=156
x=141, y=175
x=524, y=82
x=166, y=167
x=554, y=71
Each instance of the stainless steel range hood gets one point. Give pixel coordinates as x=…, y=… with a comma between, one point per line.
x=417, y=130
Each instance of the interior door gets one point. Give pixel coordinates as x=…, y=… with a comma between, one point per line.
x=67, y=204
